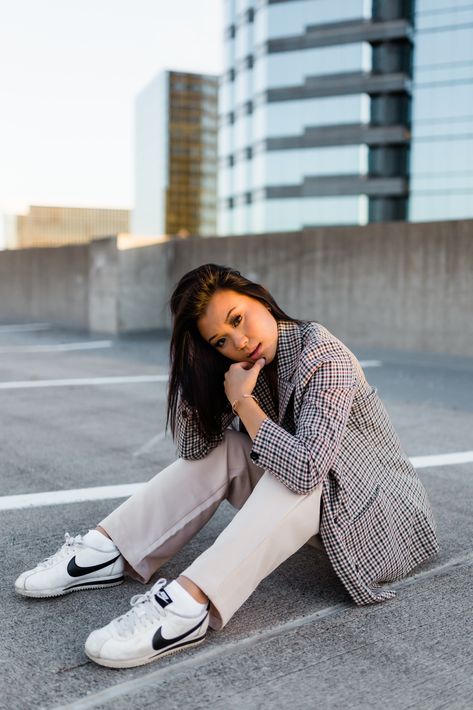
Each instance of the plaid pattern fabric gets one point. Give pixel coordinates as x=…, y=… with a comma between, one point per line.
x=376, y=521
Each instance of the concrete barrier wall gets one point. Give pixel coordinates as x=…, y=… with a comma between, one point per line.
x=398, y=285
x=104, y=285
x=46, y=285
x=144, y=287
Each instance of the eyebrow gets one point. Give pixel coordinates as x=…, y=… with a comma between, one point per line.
x=226, y=321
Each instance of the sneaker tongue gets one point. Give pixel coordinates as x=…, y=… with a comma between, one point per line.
x=163, y=598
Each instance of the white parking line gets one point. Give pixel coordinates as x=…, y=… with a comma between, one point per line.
x=73, y=495
x=222, y=650
x=83, y=381
x=149, y=444
x=87, y=381
x=370, y=363
x=442, y=459
x=58, y=347
x=78, y=495
x=23, y=327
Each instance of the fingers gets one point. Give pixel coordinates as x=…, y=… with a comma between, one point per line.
x=247, y=365
x=261, y=363
x=250, y=365
x=239, y=365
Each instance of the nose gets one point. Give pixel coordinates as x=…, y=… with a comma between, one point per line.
x=241, y=342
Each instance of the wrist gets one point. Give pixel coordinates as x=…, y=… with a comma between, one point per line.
x=241, y=400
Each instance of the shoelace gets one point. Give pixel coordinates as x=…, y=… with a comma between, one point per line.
x=144, y=612
x=70, y=544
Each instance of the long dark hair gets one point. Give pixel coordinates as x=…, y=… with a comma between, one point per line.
x=196, y=368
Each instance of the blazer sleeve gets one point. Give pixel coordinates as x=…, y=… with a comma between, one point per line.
x=302, y=460
x=190, y=443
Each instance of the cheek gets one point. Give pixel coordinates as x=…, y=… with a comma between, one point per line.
x=271, y=325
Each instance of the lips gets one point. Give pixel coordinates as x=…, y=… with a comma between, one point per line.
x=256, y=353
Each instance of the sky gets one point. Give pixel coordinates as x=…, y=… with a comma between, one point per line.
x=69, y=74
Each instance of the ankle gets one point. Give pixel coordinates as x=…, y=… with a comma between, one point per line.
x=97, y=541
x=195, y=591
x=103, y=531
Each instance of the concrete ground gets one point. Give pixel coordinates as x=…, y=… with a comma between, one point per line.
x=298, y=641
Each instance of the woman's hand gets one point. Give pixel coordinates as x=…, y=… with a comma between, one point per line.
x=241, y=378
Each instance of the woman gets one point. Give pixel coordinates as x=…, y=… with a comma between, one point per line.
x=315, y=453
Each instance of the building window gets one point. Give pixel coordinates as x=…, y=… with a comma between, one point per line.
x=230, y=32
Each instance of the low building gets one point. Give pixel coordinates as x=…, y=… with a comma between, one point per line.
x=47, y=226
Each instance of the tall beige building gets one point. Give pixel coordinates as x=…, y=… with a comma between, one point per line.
x=45, y=226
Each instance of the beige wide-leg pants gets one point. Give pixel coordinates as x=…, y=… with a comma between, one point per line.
x=271, y=523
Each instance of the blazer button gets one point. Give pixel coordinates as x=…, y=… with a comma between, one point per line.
x=254, y=455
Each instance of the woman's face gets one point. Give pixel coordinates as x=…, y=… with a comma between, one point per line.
x=240, y=327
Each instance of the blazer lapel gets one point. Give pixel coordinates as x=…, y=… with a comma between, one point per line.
x=288, y=354
x=285, y=391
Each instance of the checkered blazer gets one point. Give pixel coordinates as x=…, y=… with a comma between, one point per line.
x=376, y=521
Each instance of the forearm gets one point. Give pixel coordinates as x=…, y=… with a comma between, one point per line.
x=250, y=414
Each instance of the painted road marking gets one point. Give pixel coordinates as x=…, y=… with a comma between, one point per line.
x=442, y=459
x=74, y=495
x=79, y=495
x=149, y=444
x=58, y=347
x=23, y=327
x=83, y=381
x=190, y=663
x=370, y=363
x=88, y=381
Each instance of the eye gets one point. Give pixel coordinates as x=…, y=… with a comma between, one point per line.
x=235, y=321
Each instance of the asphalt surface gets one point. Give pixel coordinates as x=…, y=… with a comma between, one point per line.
x=298, y=641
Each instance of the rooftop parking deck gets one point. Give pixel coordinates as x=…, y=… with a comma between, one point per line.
x=83, y=412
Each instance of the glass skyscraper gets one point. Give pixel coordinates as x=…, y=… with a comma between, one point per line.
x=335, y=113
x=176, y=155
x=441, y=166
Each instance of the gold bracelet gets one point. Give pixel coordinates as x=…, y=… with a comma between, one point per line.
x=244, y=395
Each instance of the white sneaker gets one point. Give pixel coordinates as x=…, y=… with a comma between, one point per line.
x=147, y=632
x=76, y=565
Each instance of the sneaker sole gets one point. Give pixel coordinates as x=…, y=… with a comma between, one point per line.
x=133, y=663
x=48, y=593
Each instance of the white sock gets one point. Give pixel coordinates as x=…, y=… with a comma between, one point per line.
x=182, y=602
x=97, y=541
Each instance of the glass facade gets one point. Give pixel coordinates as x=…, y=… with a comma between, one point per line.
x=343, y=113
x=292, y=68
x=279, y=20
x=291, y=117
x=441, y=184
x=176, y=146
x=266, y=140
x=190, y=194
x=289, y=167
x=281, y=215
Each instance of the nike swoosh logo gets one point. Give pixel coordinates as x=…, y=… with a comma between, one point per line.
x=75, y=571
x=159, y=642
